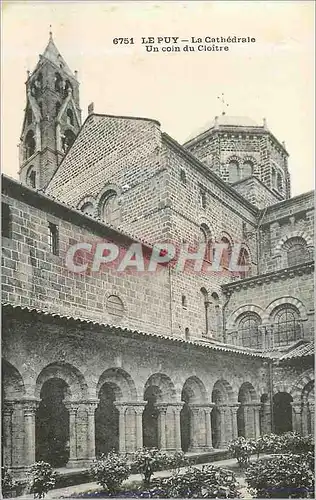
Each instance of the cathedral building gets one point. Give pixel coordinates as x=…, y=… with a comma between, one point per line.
x=184, y=360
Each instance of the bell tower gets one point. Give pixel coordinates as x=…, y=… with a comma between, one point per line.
x=52, y=117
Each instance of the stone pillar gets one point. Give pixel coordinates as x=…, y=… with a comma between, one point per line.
x=256, y=409
x=72, y=408
x=296, y=416
x=29, y=411
x=265, y=418
x=139, y=409
x=305, y=418
x=122, y=426
x=208, y=426
x=162, y=442
x=174, y=426
x=194, y=428
x=311, y=417
x=7, y=423
x=233, y=416
x=91, y=407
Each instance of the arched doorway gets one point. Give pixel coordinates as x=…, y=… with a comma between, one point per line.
x=159, y=392
x=114, y=387
x=52, y=424
x=282, y=412
x=106, y=421
x=223, y=426
x=194, y=427
x=150, y=418
x=246, y=413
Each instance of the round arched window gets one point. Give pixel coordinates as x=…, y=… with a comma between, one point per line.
x=115, y=306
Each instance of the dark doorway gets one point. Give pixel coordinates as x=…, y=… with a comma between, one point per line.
x=52, y=424
x=185, y=422
x=282, y=412
x=216, y=427
x=150, y=418
x=106, y=422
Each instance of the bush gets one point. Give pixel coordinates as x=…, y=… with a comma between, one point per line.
x=42, y=478
x=148, y=460
x=110, y=471
x=207, y=482
x=242, y=449
x=177, y=460
x=293, y=442
x=285, y=476
x=7, y=482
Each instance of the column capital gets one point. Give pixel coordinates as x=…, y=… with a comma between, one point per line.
x=162, y=407
x=91, y=405
x=30, y=406
x=72, y=406
x=296, y=407
x=8, y=407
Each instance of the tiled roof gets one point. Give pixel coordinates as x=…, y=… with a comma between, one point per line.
x=300, y=351
x=211, y=345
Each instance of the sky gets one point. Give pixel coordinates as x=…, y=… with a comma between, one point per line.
x=271, y=78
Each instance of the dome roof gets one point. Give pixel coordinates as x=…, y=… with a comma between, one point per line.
x=225, y=121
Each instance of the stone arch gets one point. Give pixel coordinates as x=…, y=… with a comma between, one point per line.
x=247, y=393
x=87, y=205
x=284, y=301
x=222, y=392
x=195, y=390
x=12, y=382
x=106, y=189
x=77, y=387
x=300, y=383
x=165, y=389
x=293, y=234
x=121, y=382
x=252, y=308
x=108, y=204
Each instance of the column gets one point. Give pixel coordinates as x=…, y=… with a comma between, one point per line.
x=91, y=407
x=311, y=416
x=233, y=416
x=208, y=427
x=296, y=416
x=72, y=408
x=162, y=408
x=29, y=411
x=265, y=414
x=305, y=418
x=174, y=426
x=224, y=430
x=139, y=408
x=122, y=426
x=177, y=427
x=256, y=409
x=194, y=428
x=7, y=433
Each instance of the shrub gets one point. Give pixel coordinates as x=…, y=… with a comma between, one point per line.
x=242, y=449
x=293, y=442
x=285, y=476
x=7, y=482
x=177, y=460
x=110, y=471
x=42, y=478
x=148, y=460
x=207, y=482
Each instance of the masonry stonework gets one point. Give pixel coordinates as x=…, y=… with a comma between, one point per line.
x=175, y=359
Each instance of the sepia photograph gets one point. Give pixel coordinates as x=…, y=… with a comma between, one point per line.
x=157, y=221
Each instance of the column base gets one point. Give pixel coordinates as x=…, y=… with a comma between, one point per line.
x=77, y=463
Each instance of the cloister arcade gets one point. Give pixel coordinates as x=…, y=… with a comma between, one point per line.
x=68, y=422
